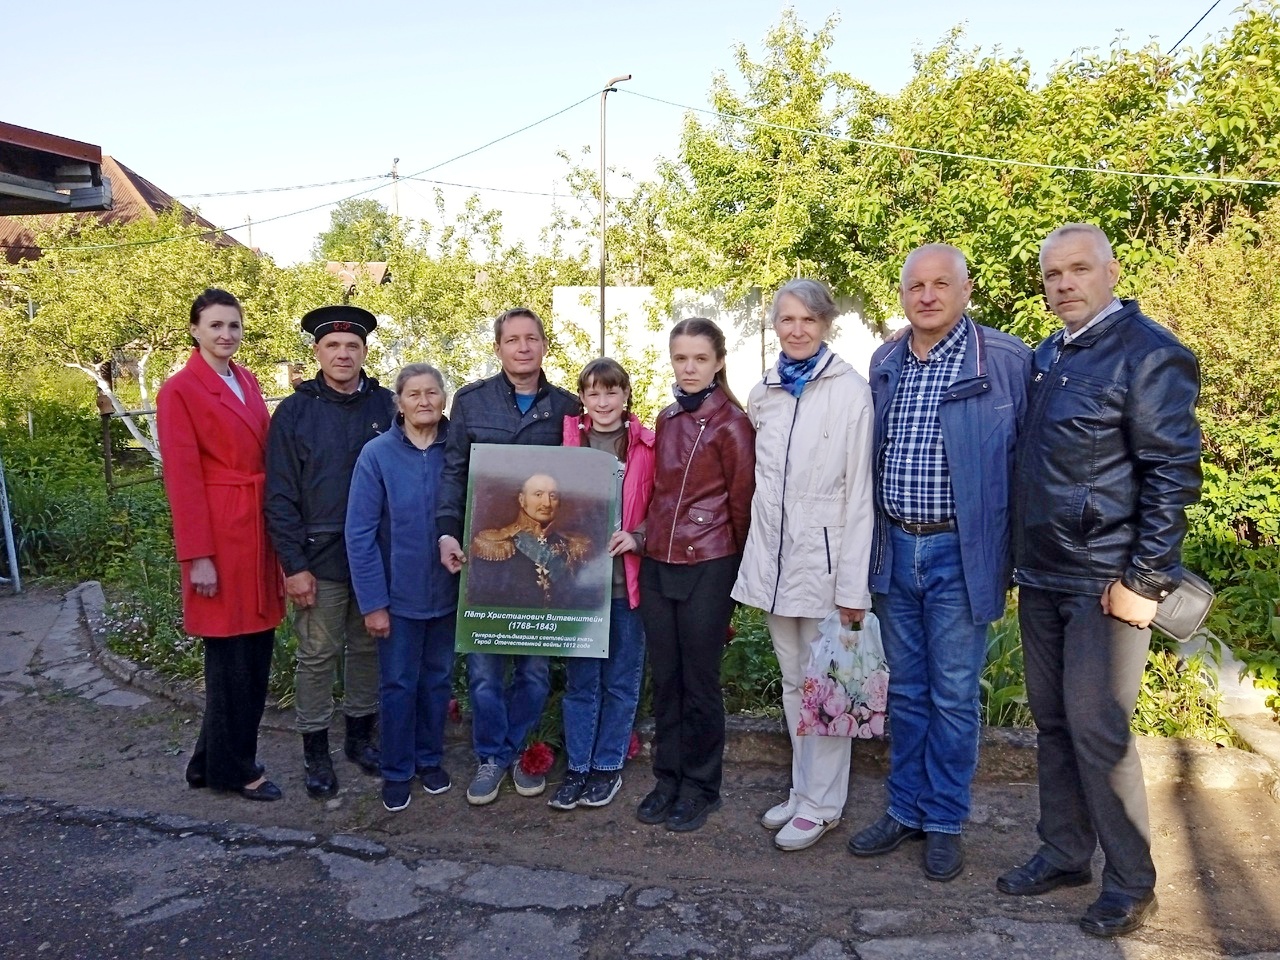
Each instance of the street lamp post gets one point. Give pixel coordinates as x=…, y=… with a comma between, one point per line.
x=608, y=89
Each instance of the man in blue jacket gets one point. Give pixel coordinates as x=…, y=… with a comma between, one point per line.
x=948, y=400
x=1108, y=462
x=517, y=405
x=315, y=437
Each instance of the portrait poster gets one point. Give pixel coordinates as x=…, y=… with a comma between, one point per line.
x=538, y=579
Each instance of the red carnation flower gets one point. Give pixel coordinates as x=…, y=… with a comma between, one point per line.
x=729, y=634
x=537, y=759
x=455, y=711
x=633, y=748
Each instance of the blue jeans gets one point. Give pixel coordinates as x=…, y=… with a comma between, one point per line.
x=415, y=666
x=502, y=712
x=936, y=654
x=600, y=696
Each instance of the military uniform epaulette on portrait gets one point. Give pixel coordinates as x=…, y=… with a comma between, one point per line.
x=495, y=543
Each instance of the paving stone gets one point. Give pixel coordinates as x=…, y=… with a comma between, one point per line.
x=264, y=853
x=438, y=875
x=877, y=922
x=97, y=688
x=73, y=675
x=669, y=943
x=381, y=890
x=122, y=698
x=11, y=692
x=357, y=846
x=16, y=652
x=297, y=838
x=651, y=897
x=176, y=823
x=522, y=887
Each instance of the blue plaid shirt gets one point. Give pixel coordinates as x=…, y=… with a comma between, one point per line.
x=915, y=482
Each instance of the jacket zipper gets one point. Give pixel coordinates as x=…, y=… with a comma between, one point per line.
x=878, y=547
x=671, y=544
x=827, y=540
x=782, y=516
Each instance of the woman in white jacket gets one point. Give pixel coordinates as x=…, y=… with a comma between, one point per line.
x=809, y=544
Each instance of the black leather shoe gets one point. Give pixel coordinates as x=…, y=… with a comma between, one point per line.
x=1115, y=914
x=266, y=791
x=943, y=856
x=690, y=813
x=882, y=836
x=655, y=807
x=1037, y=876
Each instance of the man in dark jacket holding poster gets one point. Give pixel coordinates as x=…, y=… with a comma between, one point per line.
x=1107, y=463
x=315, y=437
x=517, y=405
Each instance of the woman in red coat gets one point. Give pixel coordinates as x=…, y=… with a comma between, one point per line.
x=213, y=432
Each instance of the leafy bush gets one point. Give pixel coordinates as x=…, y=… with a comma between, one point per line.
x=1004, y=690
x=1221, y=295
x=749, y=673
x=1179, y=699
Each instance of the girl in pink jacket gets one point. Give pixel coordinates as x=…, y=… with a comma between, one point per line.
x=601, y=695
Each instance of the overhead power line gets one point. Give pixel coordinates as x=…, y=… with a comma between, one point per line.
x=298, y=186
x=329, y=203
x=473, y=186
x=977, y=157
x=1193, y=26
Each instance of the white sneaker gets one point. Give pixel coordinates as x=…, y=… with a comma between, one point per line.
x=777, y=817
x=792, y=837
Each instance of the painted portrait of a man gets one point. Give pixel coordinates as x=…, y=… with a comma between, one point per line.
x=530, y=562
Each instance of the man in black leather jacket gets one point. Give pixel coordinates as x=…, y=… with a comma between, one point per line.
x=1107, y=462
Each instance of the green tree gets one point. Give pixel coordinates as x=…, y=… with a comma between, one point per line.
x=450, y=278
x=639, y=232
x=756, y=200
x=112, y=303
x=360, y=230
x=1221, y=295
x=814, y=173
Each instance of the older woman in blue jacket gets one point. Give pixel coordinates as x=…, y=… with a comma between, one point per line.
x=409, y=601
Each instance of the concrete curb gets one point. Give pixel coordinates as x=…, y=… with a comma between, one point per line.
x=1243, y=705
x=1007, y=754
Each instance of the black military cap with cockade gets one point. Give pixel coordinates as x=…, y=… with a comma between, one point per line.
x=339, y=319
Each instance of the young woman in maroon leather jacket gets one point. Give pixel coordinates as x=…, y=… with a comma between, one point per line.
x=696, y=529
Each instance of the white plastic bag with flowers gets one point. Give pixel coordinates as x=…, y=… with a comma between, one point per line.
x=846, y=685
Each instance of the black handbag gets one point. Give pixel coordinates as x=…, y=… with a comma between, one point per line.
x=1182, y=613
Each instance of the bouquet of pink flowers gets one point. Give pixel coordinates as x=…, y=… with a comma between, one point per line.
x=846, y=684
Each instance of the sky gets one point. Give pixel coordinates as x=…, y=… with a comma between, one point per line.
x=240, y=96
